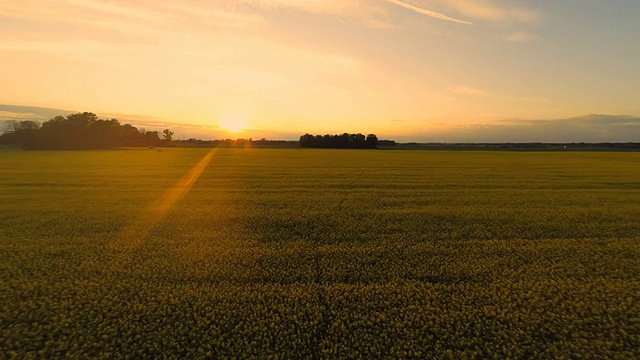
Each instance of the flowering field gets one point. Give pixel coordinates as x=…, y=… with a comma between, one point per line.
x=319, y=254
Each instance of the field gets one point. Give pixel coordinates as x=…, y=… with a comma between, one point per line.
x=319, y=254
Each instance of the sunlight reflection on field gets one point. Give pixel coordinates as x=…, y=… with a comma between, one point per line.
x=135, y=233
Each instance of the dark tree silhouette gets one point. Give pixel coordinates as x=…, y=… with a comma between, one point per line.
x=150, y=138
x=372, y=141
x=167, y=134
x=21, y=133
x=78, y=131
x=13, y=126
x=344, y=141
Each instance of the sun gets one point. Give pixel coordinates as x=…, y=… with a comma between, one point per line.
x=233, y=124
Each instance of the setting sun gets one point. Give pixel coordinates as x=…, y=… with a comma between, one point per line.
x=233, y=124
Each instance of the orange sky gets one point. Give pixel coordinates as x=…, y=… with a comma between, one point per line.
x=421, y=70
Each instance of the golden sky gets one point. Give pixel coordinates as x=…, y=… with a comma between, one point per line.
x=422, y=70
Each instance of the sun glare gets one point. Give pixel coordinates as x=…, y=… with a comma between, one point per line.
x=233, y=124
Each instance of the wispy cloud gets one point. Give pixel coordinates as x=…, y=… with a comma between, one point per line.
x=376, y=16
x=521, y=37
x=12, y=115
x=156, y=20
x=427, y=12
x=467, y=91
x=131, y=18
x=367, y=13
x=474, y=92
x=492, y=10
x=484, y=10
x=588, y=128
x=17, y=112
x=313, y=6
x=363, y=13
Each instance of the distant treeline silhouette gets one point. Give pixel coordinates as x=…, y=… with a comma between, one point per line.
x=344, y=141
x=80, y=131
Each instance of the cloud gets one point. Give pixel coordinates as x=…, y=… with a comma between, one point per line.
x=492, y=10
x=467, y=91
x=118, y=18
x=147, y=20
x=312, y=6
x=17, y=112
x=521, y=37
x=12, y=115
x=369, y=13
x=427, y=12
x=592, y=120
x=474, y=92
x=484, y=10
x=588, y=128
x=361, y=12
x=354, y=11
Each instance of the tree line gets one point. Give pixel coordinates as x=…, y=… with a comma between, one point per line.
x=80, y=131
x=84, y=131
x=344, y=141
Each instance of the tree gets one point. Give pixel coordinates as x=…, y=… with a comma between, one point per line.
x=307, y=140
x=344, y=141
x=151, y=138
x=20, y=133
x=79, y=131
x=372, y=141
x=167, y=134
x=13, y=126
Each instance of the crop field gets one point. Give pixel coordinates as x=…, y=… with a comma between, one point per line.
x=319, y=254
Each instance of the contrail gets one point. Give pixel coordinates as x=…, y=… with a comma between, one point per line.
x=426, y=12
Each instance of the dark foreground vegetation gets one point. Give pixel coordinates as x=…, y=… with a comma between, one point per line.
x=80, y=131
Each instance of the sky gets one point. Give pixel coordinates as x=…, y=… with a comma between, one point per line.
x=409, y=70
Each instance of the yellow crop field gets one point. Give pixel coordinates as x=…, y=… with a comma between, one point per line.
x=301, y=253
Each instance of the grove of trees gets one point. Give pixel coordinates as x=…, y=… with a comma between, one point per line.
x=80, y=131
x=344, y=141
